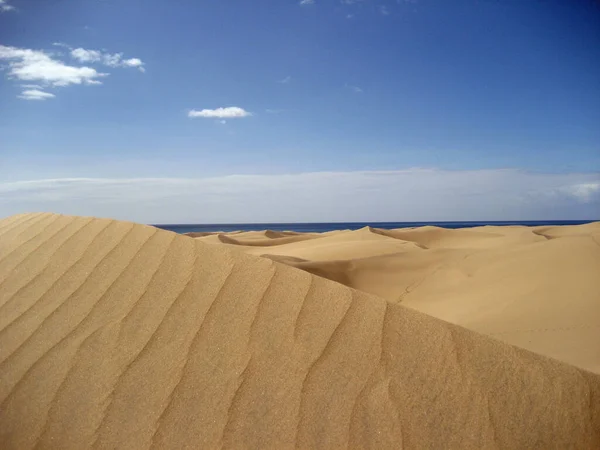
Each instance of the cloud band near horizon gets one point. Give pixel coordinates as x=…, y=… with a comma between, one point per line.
x=403, y=195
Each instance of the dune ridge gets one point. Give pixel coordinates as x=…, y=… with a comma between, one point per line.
x=535, y=287
x=119, y=335
x=267, y=242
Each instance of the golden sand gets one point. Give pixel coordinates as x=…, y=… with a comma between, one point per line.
x=538, y=288
x=118, y=335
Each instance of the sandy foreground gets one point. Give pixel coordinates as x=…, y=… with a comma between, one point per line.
x=119, y=335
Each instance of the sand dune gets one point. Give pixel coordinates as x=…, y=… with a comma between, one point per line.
x=537, y=288
x=118, y=335
x=361, y=243
x=264, y=234
x=270, y=234
x=202, y=234
x=265, y=242
x=589, y=229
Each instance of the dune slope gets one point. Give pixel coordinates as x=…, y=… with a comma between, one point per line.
x=118, y=335
x=537, y=288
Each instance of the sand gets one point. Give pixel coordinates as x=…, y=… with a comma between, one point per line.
x=120, y=335
x=537, y=288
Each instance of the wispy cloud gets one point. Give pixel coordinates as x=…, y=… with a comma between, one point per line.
x=285, y=80
x=230, y=112
x=111, y=60
x=355, y=5
x=36, y=65
x=584, y=192
x=5, y=7
x=354, y=89
x=274, y=111
x=134, y=62
x=402, y=195
x=35, y=94
x=84, y=56
x=306, y=2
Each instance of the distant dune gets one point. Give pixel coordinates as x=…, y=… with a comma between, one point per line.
x=118, y=335
x=538, y=288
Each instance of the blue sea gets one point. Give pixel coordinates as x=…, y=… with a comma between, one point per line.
x=323, y=227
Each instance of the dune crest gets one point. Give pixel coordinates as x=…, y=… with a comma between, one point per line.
x=266, y=241
x=535, y=287
x=118, y=335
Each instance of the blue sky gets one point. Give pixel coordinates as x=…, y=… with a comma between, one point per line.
x=136, y=93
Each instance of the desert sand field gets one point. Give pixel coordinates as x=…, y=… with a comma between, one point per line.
x=120, y=335
x=537, y=288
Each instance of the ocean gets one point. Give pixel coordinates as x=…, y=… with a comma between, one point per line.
x=323, y=227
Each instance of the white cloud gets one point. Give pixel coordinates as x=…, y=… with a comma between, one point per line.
x=134, y=62
x=44, y=67
x=400, y=195
x=585, y=192
x=384, y=10
x=108, y=59
x=35, y=65
x=112, y=60
x=35, y=94
x=231, y=112
x=5, y=7
x=285, y=80
x=84, y=56
x=306, y=2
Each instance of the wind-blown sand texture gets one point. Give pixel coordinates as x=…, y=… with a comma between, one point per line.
x=538, y=288
x=118, y=335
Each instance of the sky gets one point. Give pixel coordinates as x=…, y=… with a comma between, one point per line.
x=199, y=111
